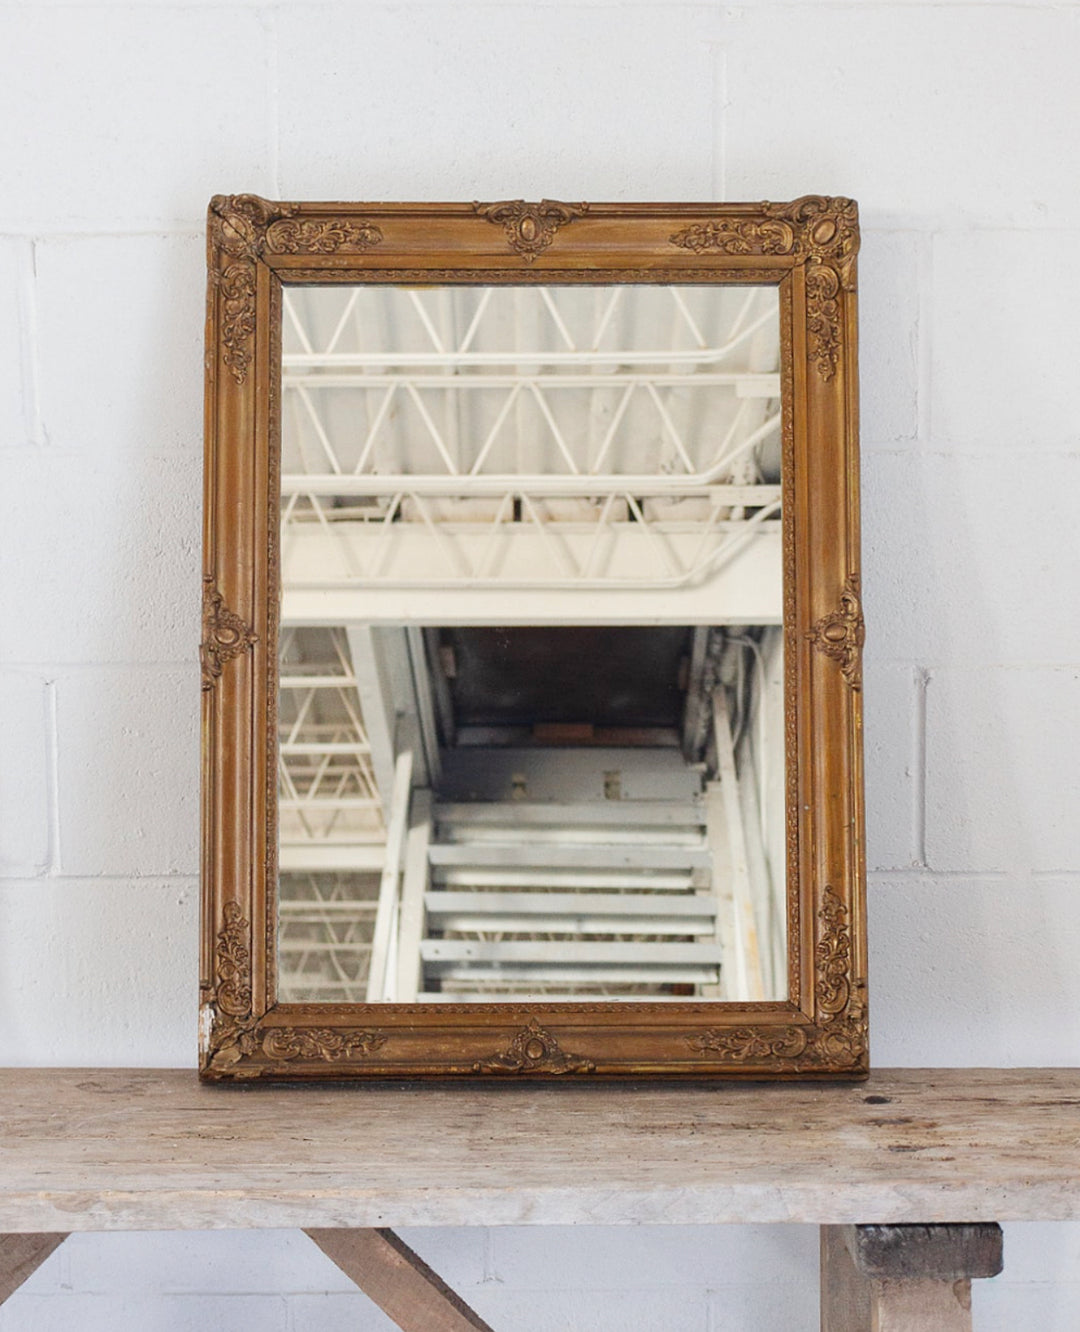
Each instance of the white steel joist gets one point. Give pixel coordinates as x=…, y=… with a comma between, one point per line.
x=395, y=453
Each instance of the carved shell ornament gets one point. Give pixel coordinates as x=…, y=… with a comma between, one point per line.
x=533, y=1050
x=821, y=233
x=841, y=634
x=238, y=222
x=224, y=634
x=530, y=227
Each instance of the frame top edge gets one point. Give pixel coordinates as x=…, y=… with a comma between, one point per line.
x=220, y=203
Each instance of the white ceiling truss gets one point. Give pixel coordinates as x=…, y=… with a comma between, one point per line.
x=327, y=788
x=331, y=830
x=540, y=437
x=325, y=932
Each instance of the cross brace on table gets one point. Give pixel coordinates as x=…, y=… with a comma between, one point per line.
x=382, y=1265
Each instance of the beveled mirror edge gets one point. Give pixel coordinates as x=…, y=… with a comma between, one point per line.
x=808, y=248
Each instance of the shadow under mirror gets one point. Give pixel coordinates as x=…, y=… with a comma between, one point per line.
x=531, y=709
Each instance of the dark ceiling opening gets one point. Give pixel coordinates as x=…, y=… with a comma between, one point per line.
x=624, y=677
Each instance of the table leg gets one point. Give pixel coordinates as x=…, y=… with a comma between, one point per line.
x=904, y=1278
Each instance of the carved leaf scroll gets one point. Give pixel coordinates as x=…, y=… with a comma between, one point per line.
x=233, y=995
x=821, y=233
x=283, y=1043
x=534, y=1050
x=750, y=1043
x=321, y=236
x=737, y=236
x=224, y=634
x=841, y=633
x=530, y=227
x=237, y=287
x=833, y=955
x=842, y=1031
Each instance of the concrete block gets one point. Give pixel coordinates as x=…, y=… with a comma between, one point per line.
x=101, y=558
x=974, y=972
x=965, y=561
x=129, y=771
x=120, y=323
x=465, y=102
x=139, y=114
x=24, y=777
x=900, y=109
x=548, y=1308
x=1039, y=1250
x=121, y=1313
x=1003, y=769
x=1004, y=340
x=206, y=1262
x=790, y=1305
x=891, y=724
x=639, y=1258
x=16, y=261
x=98, y=973
x=1005, y=1306
x=890, y=330
x=337, y=1312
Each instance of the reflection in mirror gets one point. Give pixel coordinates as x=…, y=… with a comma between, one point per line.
x=531, y=713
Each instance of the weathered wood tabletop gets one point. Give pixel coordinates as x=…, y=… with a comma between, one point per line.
x=108, y=1149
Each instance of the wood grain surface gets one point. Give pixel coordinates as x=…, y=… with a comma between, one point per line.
x=154, y=1149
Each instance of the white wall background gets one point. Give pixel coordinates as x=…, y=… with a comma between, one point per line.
x=955, y=127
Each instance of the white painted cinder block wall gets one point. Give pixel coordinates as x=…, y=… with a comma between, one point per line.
x=955, y=127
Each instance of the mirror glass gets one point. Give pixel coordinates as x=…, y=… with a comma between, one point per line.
x=531, y=706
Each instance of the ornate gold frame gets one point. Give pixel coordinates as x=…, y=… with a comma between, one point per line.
x=808, y=249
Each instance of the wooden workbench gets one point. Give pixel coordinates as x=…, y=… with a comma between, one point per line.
x=154, y=1149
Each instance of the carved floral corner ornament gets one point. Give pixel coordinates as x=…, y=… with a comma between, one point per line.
x=530, y=227
x=224, y=634
x=820, y=232
x=841, y=633
x=269, y=1050
x=841, y=1032
x=534, y=1050
x=230, y=1037
x=245, y=228
x=236, y=1035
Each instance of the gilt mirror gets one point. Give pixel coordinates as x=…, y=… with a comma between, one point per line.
x=532, y=641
